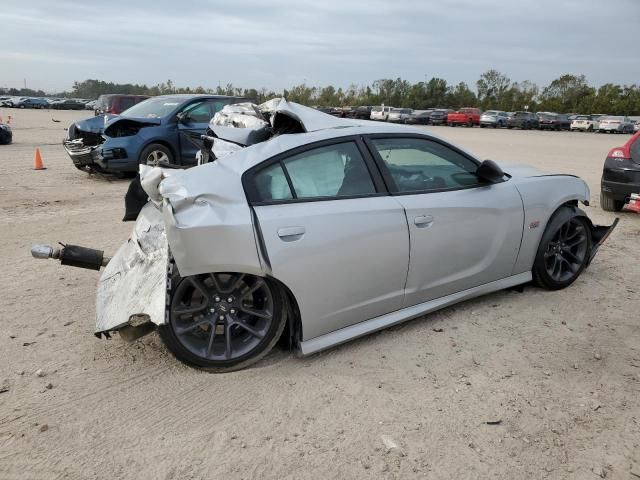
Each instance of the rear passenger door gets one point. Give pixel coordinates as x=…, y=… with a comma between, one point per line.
x=331, y=233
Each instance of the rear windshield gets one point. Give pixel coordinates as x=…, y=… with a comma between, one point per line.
x=127, y=102
x=583, y=117
x=152, y=108
x=617, y=119
x=521, y=114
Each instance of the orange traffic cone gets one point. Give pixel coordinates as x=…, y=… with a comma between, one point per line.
x=37, y=161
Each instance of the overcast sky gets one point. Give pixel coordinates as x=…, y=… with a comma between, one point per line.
x=280, y=43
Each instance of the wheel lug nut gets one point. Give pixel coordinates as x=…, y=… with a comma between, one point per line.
x=230, y=299
x=217, y=299
x=221, y=317
x=212, y=310
x=233, y=310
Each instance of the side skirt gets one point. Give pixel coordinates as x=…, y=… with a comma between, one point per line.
x=378, y=323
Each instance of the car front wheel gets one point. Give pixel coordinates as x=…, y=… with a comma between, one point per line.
x=223, y=322
x=564, y=250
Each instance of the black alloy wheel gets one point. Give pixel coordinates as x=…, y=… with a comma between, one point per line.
x=564, y=250
x=223, y=321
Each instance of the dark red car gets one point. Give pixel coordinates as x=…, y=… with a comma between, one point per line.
x=116, y=103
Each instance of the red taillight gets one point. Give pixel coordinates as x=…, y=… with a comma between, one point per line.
x=619, y=152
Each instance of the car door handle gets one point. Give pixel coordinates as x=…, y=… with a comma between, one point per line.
x=289, y=234
x=423, y=221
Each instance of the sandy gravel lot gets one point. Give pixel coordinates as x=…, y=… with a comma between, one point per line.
x=559, y=372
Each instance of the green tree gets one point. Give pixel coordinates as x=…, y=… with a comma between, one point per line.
x=492, y=88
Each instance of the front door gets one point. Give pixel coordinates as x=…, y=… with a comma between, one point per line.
x=193, y=122
x=463, y=233
x=332, y=235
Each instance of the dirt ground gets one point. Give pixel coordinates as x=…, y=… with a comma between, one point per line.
x=512, y=385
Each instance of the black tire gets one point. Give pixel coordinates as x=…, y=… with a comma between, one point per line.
x=182, y=344
x=158, y=151
x=564, y=250
x=609, y=204
x=470, y=124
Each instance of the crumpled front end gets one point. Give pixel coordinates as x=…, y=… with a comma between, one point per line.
x=133, y=284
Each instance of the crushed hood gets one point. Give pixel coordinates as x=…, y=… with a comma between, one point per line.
x=102, y=122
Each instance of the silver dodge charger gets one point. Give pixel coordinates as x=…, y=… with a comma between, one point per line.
x=312, y=230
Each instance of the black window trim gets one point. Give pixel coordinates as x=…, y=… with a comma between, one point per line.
x=386, y=174
x=251, y=191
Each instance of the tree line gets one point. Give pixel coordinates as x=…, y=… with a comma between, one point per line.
x=493, y=90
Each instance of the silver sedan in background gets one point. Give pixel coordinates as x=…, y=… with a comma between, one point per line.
x=615, y=124
x=494, y=118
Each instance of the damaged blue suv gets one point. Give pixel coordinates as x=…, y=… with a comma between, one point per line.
x=160, y=130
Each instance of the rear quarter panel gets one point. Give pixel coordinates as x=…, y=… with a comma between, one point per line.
x=541, y=197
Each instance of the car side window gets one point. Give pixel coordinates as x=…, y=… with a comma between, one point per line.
x=328, y=172
x=217, y=105
x=421, y=165
x=271, y=184
x=198, y=112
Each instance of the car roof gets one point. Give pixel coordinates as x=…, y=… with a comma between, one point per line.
x=250, y=156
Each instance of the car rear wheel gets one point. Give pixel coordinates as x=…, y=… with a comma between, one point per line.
x=609, y=204
x=223, y=322
x=156, y=154
x=564, y=250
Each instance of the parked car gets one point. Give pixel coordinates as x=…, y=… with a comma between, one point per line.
x=67, y=104
x=399, y=115
x=439, y=116
x=636, y=126
x=10, y=102
x=585, y=123
x=254, y=236
x=116, y=103
x=615, y=124
x=553, y=121
x=380, y=113
x=361, y=113
x=494, y=118
x=620, y=175
x=29, y=102
x=6, y=135
x=464, y=116
x=523, y=120
x=159, y=130
x=419, y=117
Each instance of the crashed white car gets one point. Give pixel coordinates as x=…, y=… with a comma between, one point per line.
x=316, y=230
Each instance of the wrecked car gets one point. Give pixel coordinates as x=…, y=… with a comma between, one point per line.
x=159, y=130
x=315, y=230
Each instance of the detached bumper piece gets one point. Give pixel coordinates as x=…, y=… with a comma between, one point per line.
x=599, y=234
